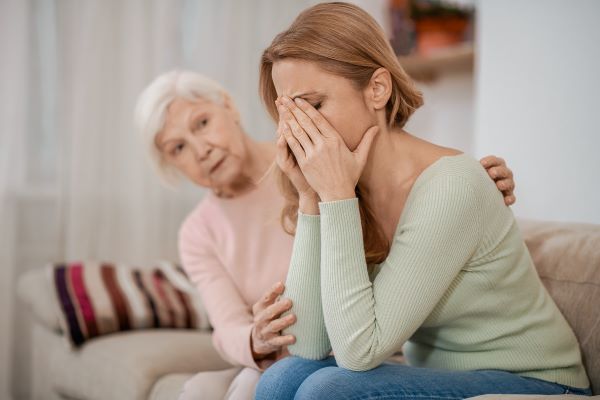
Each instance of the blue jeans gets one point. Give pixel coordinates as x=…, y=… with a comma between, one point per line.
x=298, y=378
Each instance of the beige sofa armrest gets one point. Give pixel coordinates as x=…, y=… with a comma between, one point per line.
x=126, y=365
x=34, y=289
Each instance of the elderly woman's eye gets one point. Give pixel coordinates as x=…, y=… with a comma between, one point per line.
x=177, y=149
x=317, y=105
x=202, y=123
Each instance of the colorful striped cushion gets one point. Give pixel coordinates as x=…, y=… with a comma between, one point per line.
x=100, y=298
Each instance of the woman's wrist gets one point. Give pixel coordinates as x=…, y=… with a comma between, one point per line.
x=342, y=194
x=308, y=203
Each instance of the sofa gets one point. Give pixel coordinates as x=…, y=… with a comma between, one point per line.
x=154, y=364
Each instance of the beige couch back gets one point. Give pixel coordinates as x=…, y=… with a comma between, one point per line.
x=567, y=257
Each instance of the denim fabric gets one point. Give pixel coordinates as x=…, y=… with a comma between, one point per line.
x=298, y=378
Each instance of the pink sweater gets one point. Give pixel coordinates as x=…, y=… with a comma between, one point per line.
x=234, y=250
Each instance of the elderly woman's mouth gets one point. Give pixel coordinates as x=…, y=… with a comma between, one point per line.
x=217, y=165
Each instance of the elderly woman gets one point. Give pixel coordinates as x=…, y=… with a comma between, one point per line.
x=232, y=244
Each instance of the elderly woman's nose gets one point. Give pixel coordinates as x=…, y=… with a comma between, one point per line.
x=202, y=150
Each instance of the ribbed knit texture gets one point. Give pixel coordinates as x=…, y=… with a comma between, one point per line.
x=458, y=289
x=313, y=342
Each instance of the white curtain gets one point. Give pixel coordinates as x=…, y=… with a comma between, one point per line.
x=74, y=183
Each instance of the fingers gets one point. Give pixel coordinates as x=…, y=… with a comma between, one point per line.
x=362, y=150
x=269, y=297
x=297, y=131
x=284, y=156
x=292, y=141
x=279, y=341
x=510, y=200
x=502, y=176
x=505, y=185
x=492, y=161
x=500, y=172
x=277, y=325
x=302, y=119
x=274, y=310
x=317, y=118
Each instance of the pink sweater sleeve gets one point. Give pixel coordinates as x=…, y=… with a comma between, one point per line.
x=229, y=315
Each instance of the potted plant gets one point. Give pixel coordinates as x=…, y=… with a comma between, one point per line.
x=439, y=24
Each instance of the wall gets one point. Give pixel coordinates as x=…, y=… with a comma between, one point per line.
x=537, y=102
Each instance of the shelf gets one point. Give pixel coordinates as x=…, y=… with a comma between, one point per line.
x=426, y=68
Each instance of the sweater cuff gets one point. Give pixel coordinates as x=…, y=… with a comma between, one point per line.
x=341, y=233
x=338, y=208
x=308, y=217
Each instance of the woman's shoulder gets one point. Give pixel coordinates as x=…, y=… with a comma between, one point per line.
x=456, y=184
x=458, y=170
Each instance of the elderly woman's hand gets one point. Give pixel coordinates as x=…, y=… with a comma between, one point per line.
x=502, y=176
x=266, y=338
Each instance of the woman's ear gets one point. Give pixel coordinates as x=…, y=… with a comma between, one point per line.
x=379, y=89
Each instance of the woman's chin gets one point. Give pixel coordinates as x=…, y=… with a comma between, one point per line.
x=225, y=177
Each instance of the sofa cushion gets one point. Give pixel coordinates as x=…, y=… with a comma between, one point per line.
x=169, y=387
x=208, y=385
x=98, y=298
x=567, y=258
x=125, y=366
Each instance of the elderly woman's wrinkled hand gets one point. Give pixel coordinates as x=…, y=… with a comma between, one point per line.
x=503, y=177
x=267, y=340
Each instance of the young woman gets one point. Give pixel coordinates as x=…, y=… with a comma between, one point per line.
x=399, y=243
x=232, y=245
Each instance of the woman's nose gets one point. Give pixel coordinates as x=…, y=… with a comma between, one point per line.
x=202, y=149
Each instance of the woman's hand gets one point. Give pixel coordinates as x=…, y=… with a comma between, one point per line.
x=502, y=176
x=266, y=338
x=329, y=167
x=308, y=199
x=287, y=163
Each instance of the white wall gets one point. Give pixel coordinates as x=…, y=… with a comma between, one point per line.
x=538, y=102
x=447, y=116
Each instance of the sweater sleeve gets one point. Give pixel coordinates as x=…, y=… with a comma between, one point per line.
x=229, y=314
x=368, y=321
x=303, y=287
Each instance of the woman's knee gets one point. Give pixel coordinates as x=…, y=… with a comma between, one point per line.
x=330, y=382
x=282, y=379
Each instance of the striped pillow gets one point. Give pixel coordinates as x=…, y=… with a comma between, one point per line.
x=100, y=298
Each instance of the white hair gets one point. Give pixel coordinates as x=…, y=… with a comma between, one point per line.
x=151, y=109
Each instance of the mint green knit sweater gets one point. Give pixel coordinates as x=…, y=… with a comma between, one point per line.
x=458, y=290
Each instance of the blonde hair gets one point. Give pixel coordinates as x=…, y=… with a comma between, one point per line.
x=151, y=109
x=346, y=41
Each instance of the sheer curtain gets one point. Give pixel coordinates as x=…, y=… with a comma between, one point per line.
x=74, y=182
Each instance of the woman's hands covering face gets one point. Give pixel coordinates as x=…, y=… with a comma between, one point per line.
x=323, y=162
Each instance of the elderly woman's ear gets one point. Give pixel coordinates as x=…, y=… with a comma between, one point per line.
x=229, y=104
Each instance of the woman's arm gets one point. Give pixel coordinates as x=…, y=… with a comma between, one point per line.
x=367, y=321
x=229, y=314
x=303, y=287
